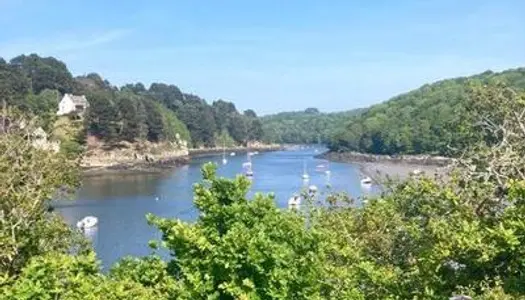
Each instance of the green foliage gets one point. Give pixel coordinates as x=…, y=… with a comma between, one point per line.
x=45, y=73
x=60, y=276
x=153, y=121
x=224, y=139
x=172, y=126
x=71, y=148
x=35, y=85
x=102, y=116
x=14, y=85
x=150, y=272
x=240, y=248
x=431, y=119
x=424, y=238
x=133, y=116
x=29, y=178
x=307, y=127
x=254, y=126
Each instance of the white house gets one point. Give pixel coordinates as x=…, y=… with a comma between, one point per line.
x=72, y=104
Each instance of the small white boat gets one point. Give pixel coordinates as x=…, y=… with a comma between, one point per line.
x=232, y=154
x=367, y=180
x=312, y=189
x=294, y=202
x=224, y=160
x=248, y=166
x=87, y=222
x=256, y=152
x=416, y=172
x=305, y=175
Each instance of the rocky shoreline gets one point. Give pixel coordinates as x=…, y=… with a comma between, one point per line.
x=122, y=162
x=378, y=167
x=256, y=147
x=137, y=167
x=417, y=160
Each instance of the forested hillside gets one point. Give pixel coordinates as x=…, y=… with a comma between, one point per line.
x=132, y=112
x=304, y=127
x=430, y=119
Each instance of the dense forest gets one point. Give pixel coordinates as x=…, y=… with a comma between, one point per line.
x=304, y=127
x=132, y=112
x=430, y=119
x=456, y=237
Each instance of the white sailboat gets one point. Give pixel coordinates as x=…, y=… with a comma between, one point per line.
x=327, y=171
x=305, y=174
x=224, y=160
x=294, y=202
x=248, y=167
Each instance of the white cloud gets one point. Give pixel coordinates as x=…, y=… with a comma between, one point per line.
x=63, y=44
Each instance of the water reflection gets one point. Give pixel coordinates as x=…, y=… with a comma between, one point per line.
x=100, y=187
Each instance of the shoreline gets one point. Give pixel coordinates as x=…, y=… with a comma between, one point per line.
x=158, y=166
x=209, y=151
x=141, y=167
x=379, y=167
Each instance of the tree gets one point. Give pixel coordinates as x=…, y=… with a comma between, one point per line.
x=238, y=128
x=137, y=88
x=45, y=73
x=311, y=110
x=14, y=85
x=44, y=105
x=240, y=248
x=153, y=121
x=169, y=95
x=255, y=129
x=430, y=120
x=29, y=180
x=199, y=118
x=304, y=128
x=132, y=125
x=223, y=112
x=102, y=116
x=60, y=276
x=172, y=126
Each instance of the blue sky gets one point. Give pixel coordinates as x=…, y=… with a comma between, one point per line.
x=272, y=55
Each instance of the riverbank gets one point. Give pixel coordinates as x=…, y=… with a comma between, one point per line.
x=379, y=167
x=238, y=149
x=142, y=167
x=128, y=158
x=143, y=157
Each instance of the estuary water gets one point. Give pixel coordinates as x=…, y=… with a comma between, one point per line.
x=120, y=202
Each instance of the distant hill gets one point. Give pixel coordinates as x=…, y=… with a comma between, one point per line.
x=426, y=120
x=308, y=126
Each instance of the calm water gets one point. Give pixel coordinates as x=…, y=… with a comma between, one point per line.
x=121, y=202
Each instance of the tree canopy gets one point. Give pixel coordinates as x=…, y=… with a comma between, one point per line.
x=131, y=112
x=304, y=127
x=430, y=119
x=456, y=237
